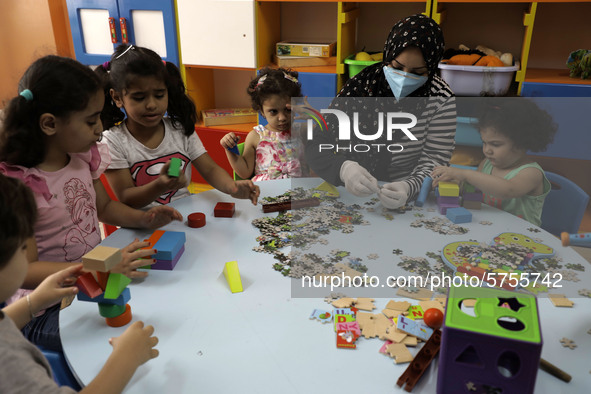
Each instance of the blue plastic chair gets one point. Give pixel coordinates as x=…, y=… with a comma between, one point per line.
x=62, y=374
x=564, y=206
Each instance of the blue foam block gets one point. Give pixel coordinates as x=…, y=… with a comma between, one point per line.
x=234, y=150
x=123, y=298
x=169, y=245
x=425, y=189
x=459, y=215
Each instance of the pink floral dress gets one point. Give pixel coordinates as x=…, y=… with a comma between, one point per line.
x=278, y=156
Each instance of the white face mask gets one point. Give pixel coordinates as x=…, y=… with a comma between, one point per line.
x=403, y=83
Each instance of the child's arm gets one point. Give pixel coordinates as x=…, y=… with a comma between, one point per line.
x=217, y=177
x=119, y=214
x=51, y=290
x=140, y=196
x=243, y=164
x=525, y=182
x=130, y=350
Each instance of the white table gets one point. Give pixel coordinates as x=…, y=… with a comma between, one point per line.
x=261, y=340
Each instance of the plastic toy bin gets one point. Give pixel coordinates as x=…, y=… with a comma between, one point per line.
x=478, y=81
x=355, y=66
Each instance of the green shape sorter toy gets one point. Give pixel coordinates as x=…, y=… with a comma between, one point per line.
x=498, y=348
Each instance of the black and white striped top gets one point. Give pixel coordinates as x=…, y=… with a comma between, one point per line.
x=435, y=132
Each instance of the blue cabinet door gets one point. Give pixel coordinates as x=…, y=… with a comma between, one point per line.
x=145, y=16
x=91, y=33
x=89, y=22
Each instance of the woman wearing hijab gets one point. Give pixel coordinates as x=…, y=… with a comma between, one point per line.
x=411, y=54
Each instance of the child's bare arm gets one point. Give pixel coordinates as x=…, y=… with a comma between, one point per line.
x=50, y=291
x=119, y=214
x=243, y=164
x=39, y=270
x=130, y=350
x=140, y=196
x=525, y=182
x=217, y=177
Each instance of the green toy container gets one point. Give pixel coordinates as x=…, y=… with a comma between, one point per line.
x=355, y=66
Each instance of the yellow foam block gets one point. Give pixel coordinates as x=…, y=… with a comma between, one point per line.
x=448, y=189
x=233, y=276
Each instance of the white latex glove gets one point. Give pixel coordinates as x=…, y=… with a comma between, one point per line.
x=394, y=195
x=358, y=181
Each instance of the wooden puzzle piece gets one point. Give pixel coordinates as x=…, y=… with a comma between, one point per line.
x=399, y=353
x=373, y=325
x=560, y=300
x=401, y=306
x=395, y=335
x=343, y=315
x=346, y=339
x=321, y=316
x=415, y=312
x=350, y=326
x=413, y=328
x=365, y=304
x=569, y=343
x=101, y=258
x=344, y=302
x=432, y=304
x=390, y=313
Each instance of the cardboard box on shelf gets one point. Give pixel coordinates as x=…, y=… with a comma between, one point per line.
x=294, y=48
x=214, y=117
x=304, y=61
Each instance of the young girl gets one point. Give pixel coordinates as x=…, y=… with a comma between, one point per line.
x=24, y=369
x=49, y=140
x=270, y=152
x=142, y=144
x=508, y=179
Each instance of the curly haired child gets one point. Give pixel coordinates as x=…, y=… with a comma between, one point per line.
x=508, y=178
x=271, y=151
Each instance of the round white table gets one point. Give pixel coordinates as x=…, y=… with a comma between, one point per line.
x=261, y=340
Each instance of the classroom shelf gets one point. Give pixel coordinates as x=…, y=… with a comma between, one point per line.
x=549, y=75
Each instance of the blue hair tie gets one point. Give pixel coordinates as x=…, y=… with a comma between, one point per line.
x=27, y=94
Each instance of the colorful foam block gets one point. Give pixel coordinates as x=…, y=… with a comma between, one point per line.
x=448, y=200
x=224, y=210
x=468, y=204
x=444, y=207
x=448, y=189
x=121, y=300
x=168, y=265
x=88, y=285
x=115, y=285
x=234, y=150
x=425, y=189
x=101, y=258
x=110, y=310
x=169, y=245
x=232, y=275
x=459, y=215
x=174, y=170
x=475, y=196
x=121, y=320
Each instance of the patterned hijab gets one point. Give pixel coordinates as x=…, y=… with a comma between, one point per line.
x=416, y=30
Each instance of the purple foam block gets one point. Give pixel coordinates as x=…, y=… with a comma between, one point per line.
x=443, y=207
x=168, y=265
x=448, y=200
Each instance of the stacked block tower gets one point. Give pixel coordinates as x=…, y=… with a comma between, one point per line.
x=170, y=246
x=471, y=197
x=495, y=349
x=110, y=291
x=448, y=196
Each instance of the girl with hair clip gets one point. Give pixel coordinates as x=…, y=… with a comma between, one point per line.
x=271, y=151
x=143, y=142
x=508, y=178
x=49, y=141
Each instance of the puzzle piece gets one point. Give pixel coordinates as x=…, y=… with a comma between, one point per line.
x=399, y=353
x=569, y=343
x=365, y=304
x=401, y=306
x=321, y=316
x=413, y=328
x=560, y=300
x=343, y=302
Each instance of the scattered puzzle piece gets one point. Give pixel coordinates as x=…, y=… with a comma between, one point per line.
x=432, y=304
x=569, y=343
x=401, y=306
x=560, y=300
x=391, y=313
x=399, y=353
x=365, y=304
x=343, y=302
x=321, y=316
x=413, y=328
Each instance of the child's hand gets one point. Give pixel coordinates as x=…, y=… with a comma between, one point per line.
x=446, y=174
x=136, y=344
x=170, y=182
x=229, y=140
x=55, y=287
x=134, y=258
x=246, y=190
x=160, y=216
x=302, y=110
